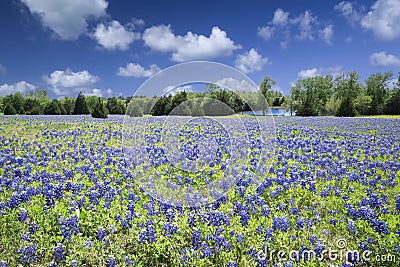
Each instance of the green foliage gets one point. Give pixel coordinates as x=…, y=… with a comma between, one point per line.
x=9, y=110
x=377, y=89
x=362, y=103
x=39, y=95
x=134, y=109
x=346, y=108
x=2, y=104
x=52, y=108
x=393, y=103
x=68, y=105
x=266, y=88
x=80, y=105
x=18, y=102
x=159, y=107
x=116, y=106
x=32, y=106
x=311, y=95
x=99, y=110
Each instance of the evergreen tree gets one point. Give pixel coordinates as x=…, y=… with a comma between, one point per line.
x=99, y=110
x=32, y=106
x=68, y=104
x=80, y=105
x=62, y=109
x=9, y=110
x=393, y=103
x=18, y=103
x=346, y=108
x=52, y=108
x=160, y=107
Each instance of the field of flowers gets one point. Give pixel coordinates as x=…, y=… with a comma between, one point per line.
x=69, y=197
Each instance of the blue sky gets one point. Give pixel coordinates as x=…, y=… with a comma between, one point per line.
x=110, y=48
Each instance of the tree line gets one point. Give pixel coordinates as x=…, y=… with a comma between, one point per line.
x=343, y=95
x=39, y=103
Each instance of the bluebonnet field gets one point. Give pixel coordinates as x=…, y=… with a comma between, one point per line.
x=69, y=198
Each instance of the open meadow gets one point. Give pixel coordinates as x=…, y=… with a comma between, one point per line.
x=331, y=197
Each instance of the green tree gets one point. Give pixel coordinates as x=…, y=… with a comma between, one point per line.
x=392, y=106
x=39, y=95
x=32, y=106
x=393, y=103
x=62, y=109
x=265, y=88
x=175, y=101
x=18, y=103
x=309, y=96
x=135, y=108
x=346, y=108
x=377, y=89
x=347, y=89
x=2, y=104
x=332, y=105
x=52, y=108
x=80, y=105
x=99, y=110
x=68, y=105
x=9, y=110
x=159, y=108
x=362, y=103
x=116, y=105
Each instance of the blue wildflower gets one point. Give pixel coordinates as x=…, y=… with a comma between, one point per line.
x=23, y=216
x=170, y=229
x=128, y=261
x=88, y=244
x=101, y=234
x=33, y=228
x=111, y=261
x=59, y=253
x=196, y=238
x=352, y=227
x=240, y=238
x=27, y=254
x=281, y=224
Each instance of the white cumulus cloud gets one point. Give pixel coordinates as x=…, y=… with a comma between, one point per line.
x=67, y=18
x=327, y=34
x=312, y=72
x=250, y=61
x=305, y=23
x=98, y=92
x=348, y=11
x=114, y=36
x=383, y=19
x=384, y=59
x=191, y=46
x=308, y=73
x=237, y=85
x=137, y=71
x=280, y=17
x=302, y=27
x=22, y=87
x=172, y=90
x=67, y=82
x=266, y=32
